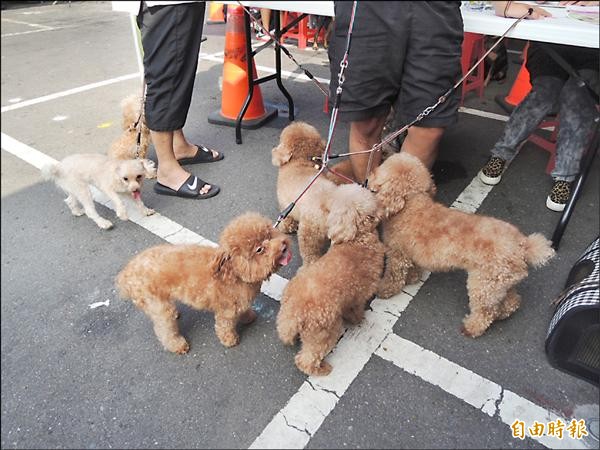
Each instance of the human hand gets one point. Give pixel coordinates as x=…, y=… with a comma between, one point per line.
x=516, y=10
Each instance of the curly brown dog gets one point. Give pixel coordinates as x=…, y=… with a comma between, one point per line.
x=420, y=233
x=224, y=280
x=299, y=144
x=125, y=146
x=338, y=285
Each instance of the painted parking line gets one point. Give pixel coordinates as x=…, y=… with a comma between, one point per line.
x=157, y=224
x=471, y=388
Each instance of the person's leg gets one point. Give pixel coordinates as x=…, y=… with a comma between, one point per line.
x=576, y=116
x=171, y=37
x=265, y=16
x=363, y=135
x=183, y=149
x=523, y=121
x=169, y=172
x=528, y=114
x=432, y=65
x=423, y=143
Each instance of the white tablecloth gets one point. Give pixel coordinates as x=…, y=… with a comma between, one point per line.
x=559, y=29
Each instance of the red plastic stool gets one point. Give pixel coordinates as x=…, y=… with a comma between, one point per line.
x=473, y=49
x=301, y=32
x=547, y=144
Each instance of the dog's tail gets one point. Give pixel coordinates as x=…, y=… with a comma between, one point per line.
x=538, y=250
x=50, y=171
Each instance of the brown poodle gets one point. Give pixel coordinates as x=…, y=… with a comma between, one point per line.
x=133, y=124
x=420, y=233
x=338, y=285
x=299, y=145
x=224, y=280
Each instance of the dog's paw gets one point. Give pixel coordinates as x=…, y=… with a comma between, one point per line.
x=104, y=224
x=122, y=214
x=229, y=339
x=179, y=346
x=470, y=330
x=324, y=369
x=385, y=292
x=316, y=368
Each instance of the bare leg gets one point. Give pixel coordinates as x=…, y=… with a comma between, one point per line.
x=423, y=143
x=363, y=136
x=170, y=173
x=183, y=149
x=265, y=17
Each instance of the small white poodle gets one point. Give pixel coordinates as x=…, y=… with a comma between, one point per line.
x=76, y=172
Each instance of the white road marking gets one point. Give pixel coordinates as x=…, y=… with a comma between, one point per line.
x=77, y=90
x=486, y=114
x=29, y=24
x=473, y=389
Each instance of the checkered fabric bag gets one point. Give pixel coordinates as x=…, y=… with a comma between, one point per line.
x=573, y=339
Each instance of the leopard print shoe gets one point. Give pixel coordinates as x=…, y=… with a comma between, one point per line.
x=492, y=171
x=559, y=195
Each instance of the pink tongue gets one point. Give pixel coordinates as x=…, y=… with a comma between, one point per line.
x=286, y=258
x=136, y=195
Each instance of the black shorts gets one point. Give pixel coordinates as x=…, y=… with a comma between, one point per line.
x=405, y=54
x=171, y=37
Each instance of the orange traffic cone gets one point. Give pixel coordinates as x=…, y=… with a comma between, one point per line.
x=215, y=13
x=518, y=91
x=235, y=79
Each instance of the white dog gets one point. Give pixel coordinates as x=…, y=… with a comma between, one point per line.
x=75, y=173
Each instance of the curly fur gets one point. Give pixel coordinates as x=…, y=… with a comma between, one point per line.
x=76, y=172
x=224, y=280
x=420, y=233
x=338, y=285
x=299, y=143
x=125, y=146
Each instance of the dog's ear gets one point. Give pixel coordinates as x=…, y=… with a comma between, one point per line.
x=280, y=155
x=149, y=168
x=221, y=263
x=342, y=223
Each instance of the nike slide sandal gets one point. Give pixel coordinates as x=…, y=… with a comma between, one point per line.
x=203, y=155
x=189, y=189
